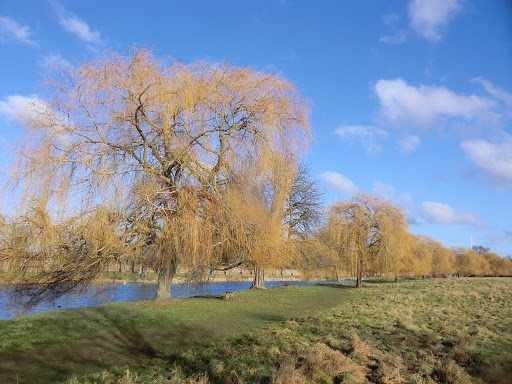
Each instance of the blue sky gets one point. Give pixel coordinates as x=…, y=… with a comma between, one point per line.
x=411, y=100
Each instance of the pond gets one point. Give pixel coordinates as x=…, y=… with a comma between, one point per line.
x=97, y=294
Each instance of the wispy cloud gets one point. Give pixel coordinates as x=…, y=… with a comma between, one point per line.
x=339, y=183
x=16, y=106
x=10, y=29
x=403, y=200
x=421, y=105
x=438, y=213
x=367, y=136
x=54, y=61
x=75, y=25
x=408, y=143
x=427, y=17
x=31, y=110
x=395, y=36
x=495, y=92
x=493, y=158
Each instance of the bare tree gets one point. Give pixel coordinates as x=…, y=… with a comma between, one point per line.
x=154, y=144
x=304, y=205
x=480, y=249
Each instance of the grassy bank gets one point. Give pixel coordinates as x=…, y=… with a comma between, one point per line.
x=443, y=330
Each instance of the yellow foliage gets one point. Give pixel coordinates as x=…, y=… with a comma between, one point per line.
x=366, y=233
x=156, y=144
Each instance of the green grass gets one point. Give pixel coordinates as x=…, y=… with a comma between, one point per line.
x=423, y=331
x=54, y=345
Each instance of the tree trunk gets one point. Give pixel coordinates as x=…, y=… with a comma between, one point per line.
x=396, y=278
x=259, y=278
x=165, y=275
x=338, y=276
x=359, y=280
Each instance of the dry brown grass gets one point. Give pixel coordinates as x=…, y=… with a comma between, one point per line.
x=447, y=371
x=321, y=363
x=363, y=351
x=322, y=360
x=132, y=378
x=288, y=374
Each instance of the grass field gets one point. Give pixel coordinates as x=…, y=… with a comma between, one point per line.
x=422, y=331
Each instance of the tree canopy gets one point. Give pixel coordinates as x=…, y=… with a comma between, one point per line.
x=364, y=232
x=157, y=146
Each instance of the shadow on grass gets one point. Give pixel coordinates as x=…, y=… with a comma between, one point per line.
x=353, y=284
x=122, y=344
x=377, y=281
x=269, y=318
x=210, y=297
x=339, y=286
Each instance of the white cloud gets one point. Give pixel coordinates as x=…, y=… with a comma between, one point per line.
x=495, y=92
x=367, y=136
x=31, y=110
x=495, y=159
x=339, y=182
x=9, y=28
x=401, y=102
x=409, y=143
x=438, y=213
x=75, y=25
x=81, y=29
x=428, y=16
x=16, y=106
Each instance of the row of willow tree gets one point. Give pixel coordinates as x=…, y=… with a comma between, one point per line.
x=198, y=166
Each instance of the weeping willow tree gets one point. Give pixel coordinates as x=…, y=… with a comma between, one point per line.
x=59, y=255
x=397, y=242
x=422, y=256
x=256, y=200
x=154, y=144
x=362, y=232
x=439, y=259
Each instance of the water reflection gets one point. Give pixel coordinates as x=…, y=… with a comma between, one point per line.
x=97, y=294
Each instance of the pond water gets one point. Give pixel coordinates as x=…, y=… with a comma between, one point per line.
x=97, y=294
